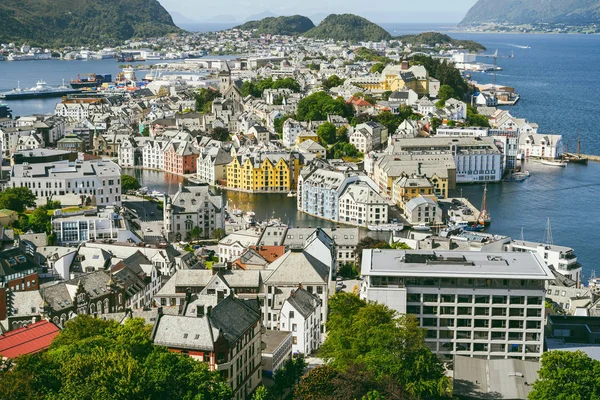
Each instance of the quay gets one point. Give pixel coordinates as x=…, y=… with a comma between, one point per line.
x=459, y=210
x=591, y=157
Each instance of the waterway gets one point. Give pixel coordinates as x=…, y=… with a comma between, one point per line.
x=558, y=86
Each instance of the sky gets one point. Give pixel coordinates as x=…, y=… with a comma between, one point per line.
x=421, y=11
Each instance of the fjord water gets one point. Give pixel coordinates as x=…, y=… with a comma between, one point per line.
x=557, y=80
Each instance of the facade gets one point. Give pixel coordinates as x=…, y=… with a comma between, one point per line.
x=423, y=210
x=153, y=154
x=263, y=172
x=477, y=304
x=18, y=272
x=361, y=204
x=368, y=136
x=540, y=146
x=291, y=130
x=99, y=180
x=407, y=188
x=211, y=166
x=301, y=315
x=71, y=143
x=226, y=336
x=277, y=351
x=180, y=158
x=191, y=207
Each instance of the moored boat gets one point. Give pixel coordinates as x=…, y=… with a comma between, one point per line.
x=386, y=227
x=41, y=90
x=553, y=163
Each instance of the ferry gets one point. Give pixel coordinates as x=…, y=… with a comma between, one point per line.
x=39, y=91
x=90, y=81
x=386, y=227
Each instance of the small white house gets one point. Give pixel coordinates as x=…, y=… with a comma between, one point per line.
x=301, y=315
x=423, y=210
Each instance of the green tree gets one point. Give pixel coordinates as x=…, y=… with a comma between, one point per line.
x=327, y=133
x=398, y=353
x=445, y=93
x=386, y=95
x=278, y=123
x=204, y=98
x=567, y=375
x=17, y=199
x=434, y=124
x=440, y=104
x=377, y=68
x=260, y=393
x=221, y=134
x=317, y=106
x=400, y=246
x=96, y=359
x=348, y=270
x=218, y=234
x=196, y=233
x=39, y=221
x=128, y=183
x=341, y=134
x=332, y=81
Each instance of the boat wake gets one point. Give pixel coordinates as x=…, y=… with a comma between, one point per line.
x=518, y=46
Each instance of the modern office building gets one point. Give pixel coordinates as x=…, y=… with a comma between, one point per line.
x=477, y=304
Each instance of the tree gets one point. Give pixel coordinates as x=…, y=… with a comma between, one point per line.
x=278, y=123
x=341, y=134
x=128, y=183
x=96, y=359
x=17, y=199
x=332, y=81
x=289, y=375
x=369, y=242
x=260, y=393
x=445, y=93
x=317, y=106
x=377, y=68
x=348, y=270
x=400, y=246
x=327, y=133
x=204, y=98
x=39, y=221
x=567, y=375
x=398, y=352
x=196, y=233
x=221, y=134
x=218, y=234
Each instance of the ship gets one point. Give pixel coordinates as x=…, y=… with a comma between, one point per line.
x=484, y=218
x=39, y=91
x=575, y=158
x=90, y=81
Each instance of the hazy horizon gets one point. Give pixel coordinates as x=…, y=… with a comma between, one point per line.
x=385, y=11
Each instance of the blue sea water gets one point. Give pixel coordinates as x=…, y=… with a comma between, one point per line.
x=558, y=82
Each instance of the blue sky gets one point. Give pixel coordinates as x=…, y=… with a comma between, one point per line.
x=378, y=11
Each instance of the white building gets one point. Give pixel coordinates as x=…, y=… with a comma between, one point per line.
x=99, y=180
x=191, y=207
x=540, y=146
x=105, y=225
x=423, y=210
x=368, y=136
x=233, y=245
x=301, y=315
x=153, y=154
x=361, y=204
x=211, y=166
x=477, y=304
x=127, y=151
x=291, y=129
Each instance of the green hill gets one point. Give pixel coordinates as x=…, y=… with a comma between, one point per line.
x=433, y=38
x=290, y=26
x=575, y=12
x=55, y=23
x=348, y=27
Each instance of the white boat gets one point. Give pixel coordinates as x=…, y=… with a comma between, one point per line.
x=386, y=227
x=249, y=217
x=155, y=193
x=554, y=163
x=291, y=194
x=421, y=228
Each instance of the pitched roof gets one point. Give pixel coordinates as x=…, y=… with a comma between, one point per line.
x=28, y=340
x=304, y=302
x=294, y=267
x=234, y=317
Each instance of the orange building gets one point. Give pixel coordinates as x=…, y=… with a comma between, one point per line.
x=180, y=158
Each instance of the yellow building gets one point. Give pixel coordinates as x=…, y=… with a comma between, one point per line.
x=263, y=172
x=398, y=77
x=408, y=187
x=307, y=135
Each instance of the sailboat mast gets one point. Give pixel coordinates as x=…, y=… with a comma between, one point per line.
x=578, y=144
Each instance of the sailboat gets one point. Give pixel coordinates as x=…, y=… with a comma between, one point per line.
x=484, y=216
x=575, y=158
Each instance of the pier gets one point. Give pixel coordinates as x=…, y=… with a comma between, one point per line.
x=591, y=157
x=459, y=209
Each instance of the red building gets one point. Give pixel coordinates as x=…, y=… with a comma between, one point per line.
x=28, y=340
x=180, y=158
x=18, y=273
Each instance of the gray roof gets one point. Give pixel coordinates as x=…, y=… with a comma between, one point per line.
x=234, y=317
x=58, y=296
x=297, y=267
x=494, y=379
x=25, y=303
x=446, y=264
x=304, y=302
x=185, y=332
x=273, y=339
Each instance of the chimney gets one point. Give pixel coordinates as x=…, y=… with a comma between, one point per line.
x=199, y=311
x=160, y=311
x=291, y=293
x=300, y=286
x=209, y=311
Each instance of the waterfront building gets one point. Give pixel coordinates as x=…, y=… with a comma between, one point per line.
x=225, y=335
x=263, y=171
x=180, y=158
x=191, y=207
x=153, y=154
x=81, y=226
x=211, y=165
x=128, y=153
x=408, y=187
x=476, y=304
x=540, y=146
x=361, y=204
x=423, y=210
x=300, y=314
x=99, y=180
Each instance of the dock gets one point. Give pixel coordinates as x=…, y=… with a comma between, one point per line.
x=591, y=157
x=459, y=209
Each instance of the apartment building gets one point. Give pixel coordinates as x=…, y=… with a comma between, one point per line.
x=476, y=304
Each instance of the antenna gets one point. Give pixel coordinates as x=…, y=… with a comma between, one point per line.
x=548, y=235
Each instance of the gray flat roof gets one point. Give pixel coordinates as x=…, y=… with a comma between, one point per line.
x=459, y=264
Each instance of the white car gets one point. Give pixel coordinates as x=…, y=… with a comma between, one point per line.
x=148, y=230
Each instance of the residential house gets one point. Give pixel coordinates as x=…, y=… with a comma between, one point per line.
x=300, y=314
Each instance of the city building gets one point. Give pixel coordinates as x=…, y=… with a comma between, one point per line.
x=98, y=180
x=368, y=136
x=212, y=165
x=71, y=143
x=180, y=158
x=191, y=207
x=277, y=351
x=301, y=315
x=477, y=304
x=263, y=171
x=423, y=210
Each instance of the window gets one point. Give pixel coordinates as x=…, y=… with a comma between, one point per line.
x=291, y=315
x=294, y=328
x=294, y=340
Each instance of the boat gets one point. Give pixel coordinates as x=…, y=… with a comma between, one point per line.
x=88, y=81
x=484, y=217
x=291, y=194
x=475, y=228
x=575, y=158
x=421, y=228
x=40, y=90
x=553, y=163
x=386, y=227
x=236, y=211
x=249, y=217
x=156, y=194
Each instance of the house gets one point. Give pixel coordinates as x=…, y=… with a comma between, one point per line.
x=180, y=158
x=232, y=246
x=226, y=336
x=540, y=146
x=368, y=136
x=312, y=147
x=423, y=210
x=408, y=187
x=211, y=165
x=191, y=207
x=27, y=340
x=300, y=314
x=277, y=351
x=402, y=98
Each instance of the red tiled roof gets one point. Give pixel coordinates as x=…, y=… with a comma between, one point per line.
x=28, y=340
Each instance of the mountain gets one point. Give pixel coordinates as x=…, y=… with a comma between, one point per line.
x=433, y=38
x=57, y=23
x=348, y=27
x=293, y=25
x=575, y=12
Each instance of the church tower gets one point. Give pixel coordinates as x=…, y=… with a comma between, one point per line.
x=224, y=77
